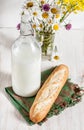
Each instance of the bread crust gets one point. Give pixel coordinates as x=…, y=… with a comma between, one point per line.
x=48, y=93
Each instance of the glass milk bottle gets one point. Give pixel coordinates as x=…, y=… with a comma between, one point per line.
x=26, y=62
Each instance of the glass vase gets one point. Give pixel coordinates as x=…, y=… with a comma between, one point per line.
x=47, y=44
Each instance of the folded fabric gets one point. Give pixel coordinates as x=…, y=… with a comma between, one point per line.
x=70, y=95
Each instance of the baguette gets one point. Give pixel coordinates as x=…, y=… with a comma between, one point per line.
x=48, y=93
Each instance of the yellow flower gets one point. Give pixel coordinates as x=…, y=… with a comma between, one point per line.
x=56, y=57
x=35, y=13
x=58, y=2
x=34, y=26
x=75, y=12
x=66, y=1
x=68, y=7
x=29, y=4
x=41, y=25
x=74, y=3
x=64, y=12
x=45, y=15
x=77, y=8
x=56, y=27
x=42, y=2
x=57, y=15
x=54, y=10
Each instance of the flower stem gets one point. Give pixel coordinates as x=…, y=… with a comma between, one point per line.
x=62, y=19
x=67, y=13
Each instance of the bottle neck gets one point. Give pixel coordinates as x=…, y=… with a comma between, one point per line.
x=25, y=28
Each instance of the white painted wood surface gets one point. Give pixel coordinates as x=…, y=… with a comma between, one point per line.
x=71, y=51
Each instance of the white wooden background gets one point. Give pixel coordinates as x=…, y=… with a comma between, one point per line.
x=71, y=51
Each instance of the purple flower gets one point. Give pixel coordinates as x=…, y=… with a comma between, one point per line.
x=68, y=26
x=18, y=26
x=46, y=7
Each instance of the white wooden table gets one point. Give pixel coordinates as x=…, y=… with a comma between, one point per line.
x=71, y=51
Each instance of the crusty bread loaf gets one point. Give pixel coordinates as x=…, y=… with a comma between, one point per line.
x=48, y=93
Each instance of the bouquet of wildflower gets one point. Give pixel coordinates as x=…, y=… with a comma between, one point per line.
x=47, y=15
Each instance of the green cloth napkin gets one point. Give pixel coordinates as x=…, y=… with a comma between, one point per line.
x=69, y=96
